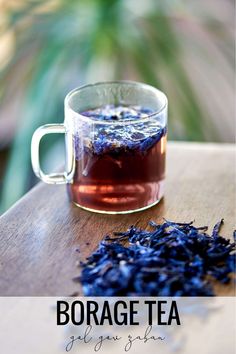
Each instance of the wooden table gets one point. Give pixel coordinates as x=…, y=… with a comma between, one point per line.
x=39, y=235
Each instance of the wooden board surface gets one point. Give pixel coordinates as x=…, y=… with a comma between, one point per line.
x=40, y=233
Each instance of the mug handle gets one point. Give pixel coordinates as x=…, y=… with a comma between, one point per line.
x=52, y=178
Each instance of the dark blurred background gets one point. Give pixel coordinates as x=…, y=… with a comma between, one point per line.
x=185, y=48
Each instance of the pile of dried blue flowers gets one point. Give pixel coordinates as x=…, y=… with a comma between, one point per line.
x=173, y=259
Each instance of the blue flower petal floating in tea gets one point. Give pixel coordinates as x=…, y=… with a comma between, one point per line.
x=173, y=259
x=115, y=139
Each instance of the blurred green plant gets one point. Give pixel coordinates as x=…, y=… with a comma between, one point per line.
x=62, y=44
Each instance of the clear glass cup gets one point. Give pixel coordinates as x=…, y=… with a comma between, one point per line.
x=112, y=166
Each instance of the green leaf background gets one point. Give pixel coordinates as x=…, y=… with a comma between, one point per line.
x=61, y=44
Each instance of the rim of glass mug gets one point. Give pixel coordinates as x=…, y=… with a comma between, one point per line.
x=158, y=93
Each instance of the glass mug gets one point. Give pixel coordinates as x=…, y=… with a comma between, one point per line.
x=112, y=165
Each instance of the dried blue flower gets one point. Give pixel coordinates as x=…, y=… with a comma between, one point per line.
x=217, y=227
x=173, y=259
x=118, y=138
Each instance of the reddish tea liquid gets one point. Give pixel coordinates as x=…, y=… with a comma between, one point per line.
x=120, y=179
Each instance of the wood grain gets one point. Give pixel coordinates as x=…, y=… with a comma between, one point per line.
x=39, y=235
